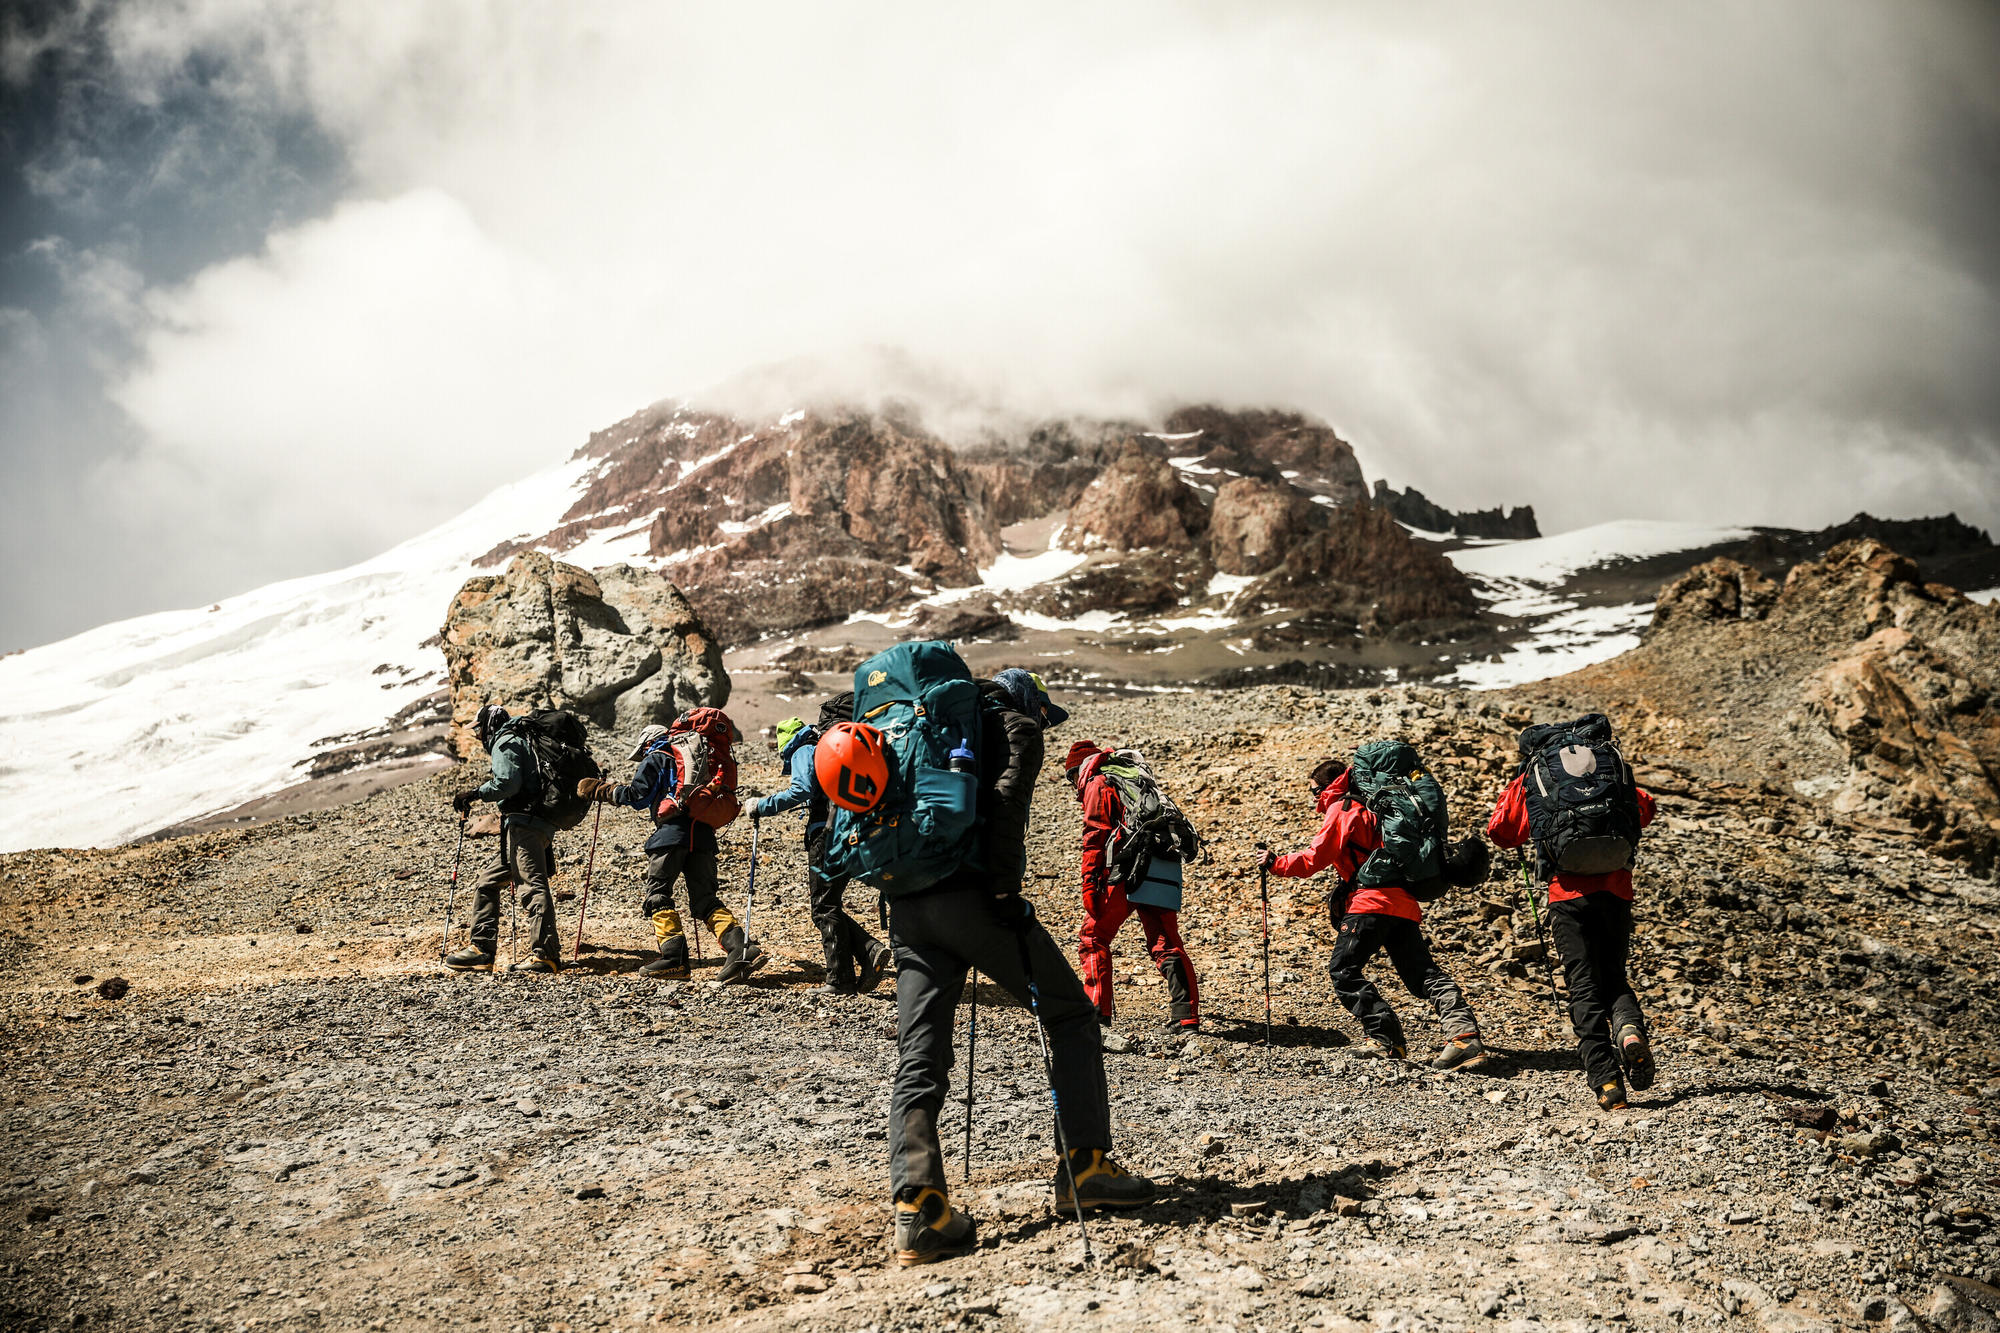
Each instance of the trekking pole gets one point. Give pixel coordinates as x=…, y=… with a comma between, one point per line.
x=1264, y=908
x=1528, y=891
x=451, y=898
x=1049, y=1070
x=971, y=1069
x=583, y=899
x=750, y=894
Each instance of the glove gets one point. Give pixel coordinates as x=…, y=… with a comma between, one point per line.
x=1268, y=861
x=756, y=811
x=593, y=789
x=463, y=802
x=668, y=809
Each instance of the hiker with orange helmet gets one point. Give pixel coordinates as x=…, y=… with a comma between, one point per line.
x=846, y=944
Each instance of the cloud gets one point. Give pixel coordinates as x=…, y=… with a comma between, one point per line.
x=1713, y=261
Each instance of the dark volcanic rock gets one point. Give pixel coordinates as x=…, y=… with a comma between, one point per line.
x=1416, y=509
x=1269, y=445
x=1364, y=568
x=1253, y=524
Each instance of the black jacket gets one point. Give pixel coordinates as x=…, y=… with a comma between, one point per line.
x=654, y=779
x=1010, y=762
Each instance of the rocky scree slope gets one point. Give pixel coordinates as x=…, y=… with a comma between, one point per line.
x=1853, y=685
x=293, y=1116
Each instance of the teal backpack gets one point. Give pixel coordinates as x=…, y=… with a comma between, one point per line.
x=923, y=699
x=1408, y=804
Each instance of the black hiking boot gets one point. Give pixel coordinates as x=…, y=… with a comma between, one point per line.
x=471, y=958
x=537, y=964
x=1101, y=1183
x=833, y=989
x=1636, y=1053
x=1465, y=1051
x=928, y=1228
x=1611, y=1097
x=745, y=956
x=878, y=963
x=664, y=968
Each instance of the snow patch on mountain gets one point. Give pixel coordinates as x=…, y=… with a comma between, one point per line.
x=140, y=724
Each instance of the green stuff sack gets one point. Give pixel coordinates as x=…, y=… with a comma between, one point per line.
x=922, y=698
x=1389, y=779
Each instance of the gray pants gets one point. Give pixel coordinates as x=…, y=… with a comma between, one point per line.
x=937, y=937
x=527, y=860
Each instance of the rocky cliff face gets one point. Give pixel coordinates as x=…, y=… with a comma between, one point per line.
x=1853, y=683
x=1138, y=502
x=621, y=647
x=1416, y=509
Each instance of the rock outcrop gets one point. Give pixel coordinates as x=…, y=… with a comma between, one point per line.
x=1362, y=569
x=1854, y=684
x=1254, y=522
x=1138, y=502
x=621, y=647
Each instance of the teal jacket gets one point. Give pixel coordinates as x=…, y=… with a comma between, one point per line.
x=516, y=781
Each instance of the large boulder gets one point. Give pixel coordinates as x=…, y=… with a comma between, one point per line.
x=1363, y=569
x=1721, y=589
x=1137, y=503
x=621, y=647
x=1254, y=522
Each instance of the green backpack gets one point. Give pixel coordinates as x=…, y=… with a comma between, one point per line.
x=1408, y=804
x=922, y=698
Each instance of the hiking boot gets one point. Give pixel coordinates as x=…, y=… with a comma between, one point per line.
x=1101, y=1183
x=1465, y=1051
x=1182, y=1016
x=878, y=963
x=745, y=956
x=536, y=963
x=1611, y=1096
x=471, y=958
x=928, y=1228
x=1179, y=1022
x=1381, y=1048
x=664, y=968
x=833, y=989
x=1637, y=1055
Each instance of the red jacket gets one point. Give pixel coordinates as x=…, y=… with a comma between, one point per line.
x=1509, y=828
x=1346, y=836
x=1102, y=813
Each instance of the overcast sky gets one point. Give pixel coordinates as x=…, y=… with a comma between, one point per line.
x=282, y=283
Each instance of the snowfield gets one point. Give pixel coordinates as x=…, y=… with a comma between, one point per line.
x=136, y=725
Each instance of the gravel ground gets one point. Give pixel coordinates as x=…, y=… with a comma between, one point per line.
x=294, y=1118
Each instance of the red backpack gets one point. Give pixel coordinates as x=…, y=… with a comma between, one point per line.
x=704, y=768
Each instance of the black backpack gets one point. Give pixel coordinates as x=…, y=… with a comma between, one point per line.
x=1583, y=804
x=562, y=759
x=840, y=708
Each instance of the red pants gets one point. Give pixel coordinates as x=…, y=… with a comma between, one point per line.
x=1103, y=914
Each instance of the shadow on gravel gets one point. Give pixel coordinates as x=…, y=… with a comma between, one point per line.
x=1250, y=1032
x=1777, y=1091
x=1508, y=1062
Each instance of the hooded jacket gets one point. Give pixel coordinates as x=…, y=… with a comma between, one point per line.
x=1103, y=811
x=516, y=780
x=1347, y=833
x=797, y=759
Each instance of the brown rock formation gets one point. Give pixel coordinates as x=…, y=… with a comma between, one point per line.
x=621, y=647
x=1254, y=522
x=1136, y=503
x=1270, y=444
x=1718, y=590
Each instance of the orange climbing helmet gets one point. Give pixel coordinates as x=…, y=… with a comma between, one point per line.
x=852, y=766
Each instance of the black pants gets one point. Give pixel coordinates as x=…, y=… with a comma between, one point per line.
x=696, y=864
x=840, y=935
x=1594, y=938
x=937, y=936
x=1361, y=935
x=526, y=862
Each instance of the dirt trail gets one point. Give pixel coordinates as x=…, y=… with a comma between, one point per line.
x=285, y=1129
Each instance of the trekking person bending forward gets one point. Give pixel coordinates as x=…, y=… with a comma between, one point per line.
x=975, y=918
x=681, y=847
x=1377, y=917
x=1105, y=905
x=527, y=851
x=1590, y=914
x=846, y=944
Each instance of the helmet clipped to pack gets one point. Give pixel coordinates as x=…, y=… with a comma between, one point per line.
x=852, y=766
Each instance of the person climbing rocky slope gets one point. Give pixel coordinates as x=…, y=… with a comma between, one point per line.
x=242, y=1090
